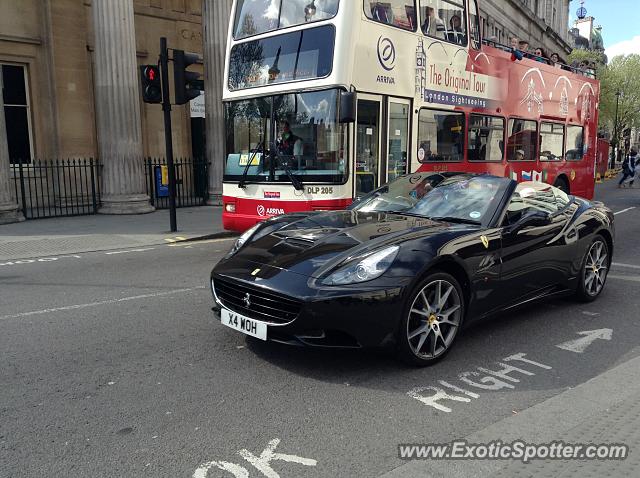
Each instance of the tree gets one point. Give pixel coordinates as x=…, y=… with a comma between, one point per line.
x=590, y=56
x=621, y=75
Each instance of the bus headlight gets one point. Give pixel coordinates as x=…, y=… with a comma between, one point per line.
x=230, y=207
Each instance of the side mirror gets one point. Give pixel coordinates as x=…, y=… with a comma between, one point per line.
x=348, y=102
x=532, y=219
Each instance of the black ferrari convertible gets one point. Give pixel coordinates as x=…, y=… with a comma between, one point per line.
x=407, y=265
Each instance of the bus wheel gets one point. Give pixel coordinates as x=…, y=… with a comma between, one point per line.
x=562, y=184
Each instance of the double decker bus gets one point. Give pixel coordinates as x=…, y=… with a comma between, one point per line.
x=325, y=100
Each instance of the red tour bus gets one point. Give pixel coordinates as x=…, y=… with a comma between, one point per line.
x=326, y=100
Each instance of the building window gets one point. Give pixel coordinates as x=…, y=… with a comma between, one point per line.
x=17, y=113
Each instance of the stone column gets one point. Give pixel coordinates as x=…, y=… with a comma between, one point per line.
x=118, y=109
x=215, y=20
x=9, y=208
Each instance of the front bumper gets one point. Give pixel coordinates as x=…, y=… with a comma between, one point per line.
x=346, y=317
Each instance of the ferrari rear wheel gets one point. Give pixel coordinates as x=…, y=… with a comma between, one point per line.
x=432, y=320
x=595, y=267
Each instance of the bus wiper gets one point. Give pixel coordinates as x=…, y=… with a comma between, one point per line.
x=460, y=220
x=297, y=184
x=243, y=181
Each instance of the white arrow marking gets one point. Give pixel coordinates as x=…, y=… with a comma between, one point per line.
x=580, y=345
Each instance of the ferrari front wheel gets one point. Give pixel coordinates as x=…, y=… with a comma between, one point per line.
x=432, y=320
x=593, y=274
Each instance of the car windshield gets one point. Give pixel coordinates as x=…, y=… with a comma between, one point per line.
x=285, y=136
x=460, y=198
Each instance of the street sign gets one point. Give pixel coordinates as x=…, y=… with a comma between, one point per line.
x=197, y=107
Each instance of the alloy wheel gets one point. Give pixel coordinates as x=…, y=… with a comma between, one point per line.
x=434, y=318
x=596, y=268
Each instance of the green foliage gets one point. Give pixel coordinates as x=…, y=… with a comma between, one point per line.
x=622, y=75
x=591, y=56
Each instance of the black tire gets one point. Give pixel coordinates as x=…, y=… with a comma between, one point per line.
x=562, y=185
x=437, y=322
x=585, y=291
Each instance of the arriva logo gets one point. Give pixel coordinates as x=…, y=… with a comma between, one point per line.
x=271, y=211
x=386, y=53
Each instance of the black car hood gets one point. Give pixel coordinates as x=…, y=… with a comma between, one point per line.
x=307, y=244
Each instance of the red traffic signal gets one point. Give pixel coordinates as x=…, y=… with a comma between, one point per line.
x=151, y=85
x=151, y=73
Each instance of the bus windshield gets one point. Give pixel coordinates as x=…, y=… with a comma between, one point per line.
x=260, y=16
x=296, y=134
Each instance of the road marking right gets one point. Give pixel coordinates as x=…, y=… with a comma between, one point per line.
x=588, y=337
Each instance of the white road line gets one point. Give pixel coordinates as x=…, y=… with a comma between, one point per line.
x=620, y=264
x=102, y=302
x=128, y=251
x=623, y=211
x=629, y=278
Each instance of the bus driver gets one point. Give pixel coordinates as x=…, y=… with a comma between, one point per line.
x=289, y=145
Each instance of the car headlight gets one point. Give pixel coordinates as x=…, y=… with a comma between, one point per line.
x=365, y=269
x=246, y=235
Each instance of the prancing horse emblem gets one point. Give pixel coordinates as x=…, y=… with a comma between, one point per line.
x=485, y=241
x=247, y=300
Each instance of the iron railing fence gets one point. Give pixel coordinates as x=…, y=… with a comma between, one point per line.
x=192, y=184
x=71, y=187
x=57, y=188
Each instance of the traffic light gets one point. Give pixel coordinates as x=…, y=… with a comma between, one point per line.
x=187, y=83
x=151, y=85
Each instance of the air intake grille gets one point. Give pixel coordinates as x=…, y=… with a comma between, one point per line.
x=263, y=306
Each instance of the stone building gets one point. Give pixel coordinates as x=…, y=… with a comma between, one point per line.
x=543, y=23
x=71, y=87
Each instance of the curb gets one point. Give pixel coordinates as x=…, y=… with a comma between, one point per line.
x=208, y=237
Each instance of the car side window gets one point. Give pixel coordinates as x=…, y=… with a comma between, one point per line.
x=533, y=197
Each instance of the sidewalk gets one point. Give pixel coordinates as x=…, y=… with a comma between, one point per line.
x=606, y=409
x=71, y=235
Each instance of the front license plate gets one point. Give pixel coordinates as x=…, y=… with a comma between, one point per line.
x=244, y=324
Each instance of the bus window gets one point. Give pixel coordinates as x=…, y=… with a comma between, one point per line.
x=445, y=20
x=397, y=13
x=440, y=135
x=523, y=137
x=575, y=143
x=474, y=27
x=293, y=56
x=551, y=142
x=259, y=16
x=486, y=138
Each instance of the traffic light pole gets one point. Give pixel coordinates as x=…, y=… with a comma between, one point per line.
x=166, y=108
